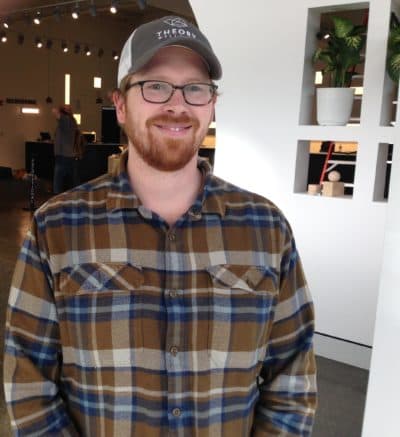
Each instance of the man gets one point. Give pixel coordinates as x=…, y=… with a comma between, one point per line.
x=161, y=301
x=65, y=163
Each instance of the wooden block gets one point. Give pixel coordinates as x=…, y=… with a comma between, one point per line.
x=332, y=189
x=314, y=189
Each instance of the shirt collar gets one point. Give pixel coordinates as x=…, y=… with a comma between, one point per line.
x=121, y=195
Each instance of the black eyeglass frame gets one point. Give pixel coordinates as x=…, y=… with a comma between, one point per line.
x=174, y=87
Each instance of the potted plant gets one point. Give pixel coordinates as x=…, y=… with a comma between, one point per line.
x=393, y=56
x=339, y=57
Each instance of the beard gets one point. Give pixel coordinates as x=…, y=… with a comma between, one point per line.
x=166, y=154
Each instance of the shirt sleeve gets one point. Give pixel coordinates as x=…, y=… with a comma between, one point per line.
x=288, y=389
x=32, y=347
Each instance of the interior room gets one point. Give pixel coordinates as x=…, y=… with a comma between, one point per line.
x=337, y=184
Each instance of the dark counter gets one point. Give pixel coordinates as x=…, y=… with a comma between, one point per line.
x=93, y=163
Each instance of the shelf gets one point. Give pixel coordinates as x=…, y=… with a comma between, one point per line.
x=310, y=165
x=337, y=133
x=338, y=162
x=320, y=196
x=344, y=133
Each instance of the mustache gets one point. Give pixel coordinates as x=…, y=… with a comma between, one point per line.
x=170, y=119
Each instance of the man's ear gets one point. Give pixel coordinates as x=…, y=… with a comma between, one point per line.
x=119, y=103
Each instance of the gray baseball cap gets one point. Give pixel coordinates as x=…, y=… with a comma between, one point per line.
x=147, y=39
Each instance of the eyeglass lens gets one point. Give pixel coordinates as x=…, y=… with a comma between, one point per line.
x=194, y=93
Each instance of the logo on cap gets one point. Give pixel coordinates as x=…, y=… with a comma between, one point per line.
x=177, y=22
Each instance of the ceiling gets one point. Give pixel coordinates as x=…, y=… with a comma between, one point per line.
x=18, y=10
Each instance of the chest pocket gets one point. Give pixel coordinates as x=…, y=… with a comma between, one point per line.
x=241, y=303
x=100, y=310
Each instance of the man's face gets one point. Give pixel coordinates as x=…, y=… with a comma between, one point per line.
x=166, y=135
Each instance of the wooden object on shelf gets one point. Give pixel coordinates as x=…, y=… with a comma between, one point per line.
x=332, y=189
x=209, y=142
x=314, y=189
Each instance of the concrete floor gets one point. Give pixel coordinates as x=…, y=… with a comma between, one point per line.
x=342, y=388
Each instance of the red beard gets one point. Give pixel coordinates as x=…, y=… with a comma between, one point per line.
x=167, y=154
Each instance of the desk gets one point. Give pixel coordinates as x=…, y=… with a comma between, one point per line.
x=92, y=164
x=43, y=153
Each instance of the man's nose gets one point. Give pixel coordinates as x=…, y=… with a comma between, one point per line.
x=177, y=102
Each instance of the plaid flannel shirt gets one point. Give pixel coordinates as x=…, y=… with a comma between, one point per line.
x=119, y=325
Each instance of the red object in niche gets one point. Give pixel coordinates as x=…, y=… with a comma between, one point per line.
x=327, y=158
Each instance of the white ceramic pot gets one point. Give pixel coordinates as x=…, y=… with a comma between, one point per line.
x=334, y=106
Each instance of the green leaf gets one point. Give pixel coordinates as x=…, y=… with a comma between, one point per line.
x=316, y=55
x=394, y=67
x=354, y=42
x=323, y=55
x=342, y=26
x=394, y=37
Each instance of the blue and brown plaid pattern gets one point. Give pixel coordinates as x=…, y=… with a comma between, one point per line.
x=118, y=325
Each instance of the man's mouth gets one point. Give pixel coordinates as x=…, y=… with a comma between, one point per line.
x=173, y=129
x=177, y=127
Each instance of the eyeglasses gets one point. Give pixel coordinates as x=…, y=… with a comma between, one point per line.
x=158, y=91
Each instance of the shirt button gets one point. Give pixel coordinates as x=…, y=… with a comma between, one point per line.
x=171, y=237
x=176, y=412
x=194, y=212
x=174, y=351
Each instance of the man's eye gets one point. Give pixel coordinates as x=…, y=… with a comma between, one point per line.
x=194, y=88
x=156, y=86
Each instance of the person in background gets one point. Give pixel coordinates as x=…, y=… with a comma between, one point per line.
x=66, y=173
x=161, y=300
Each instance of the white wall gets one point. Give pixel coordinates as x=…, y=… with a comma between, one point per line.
x=262, y=46
x=382, y=407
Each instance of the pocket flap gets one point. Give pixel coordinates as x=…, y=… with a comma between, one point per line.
x=237, y=276
x=100, y=277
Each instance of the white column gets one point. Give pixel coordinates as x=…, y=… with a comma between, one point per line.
x=381, y=416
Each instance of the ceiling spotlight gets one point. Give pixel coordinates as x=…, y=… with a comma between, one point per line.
x=113, y=7
x=100, y=53
x=21, y=39
x=141, y=3
x=3, y=36
x=37, y=18
x=38, y=43
x=77, y=48
x=49, y=44
x=87, y=51
x=115, y=55
x=64, y=47
x=6, y=24
x=75, y=12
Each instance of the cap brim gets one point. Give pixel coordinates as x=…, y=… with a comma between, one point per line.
x=208, y=56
